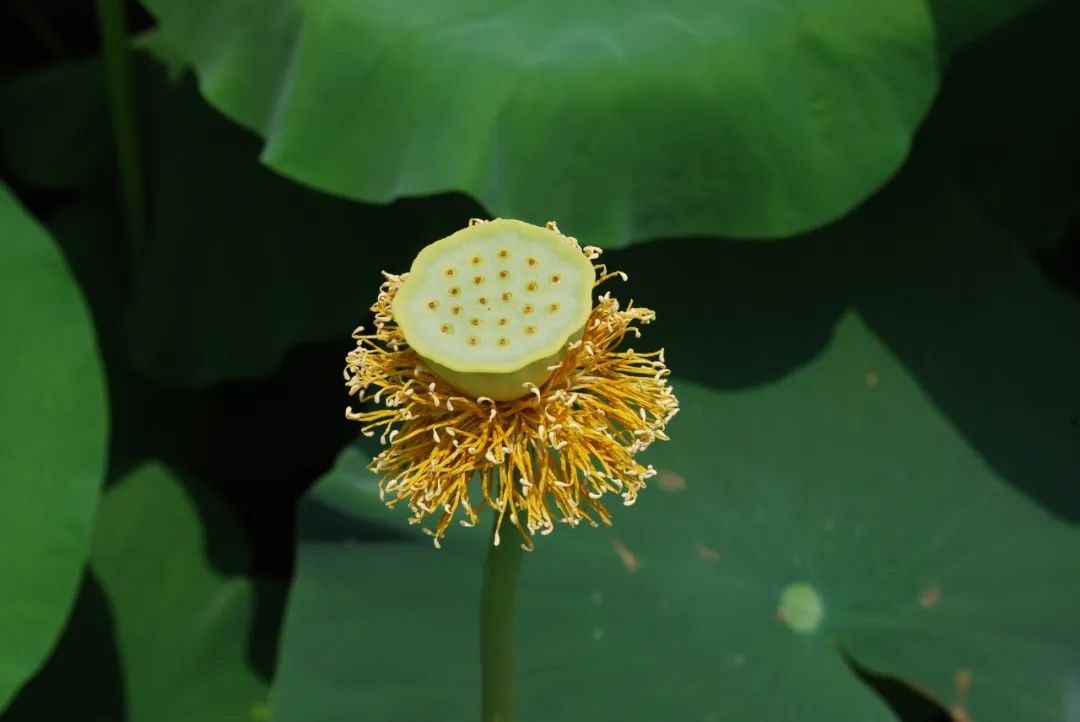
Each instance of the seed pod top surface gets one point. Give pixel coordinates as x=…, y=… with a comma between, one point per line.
x=495, y=298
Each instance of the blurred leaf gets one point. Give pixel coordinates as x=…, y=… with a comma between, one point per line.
x=622, y=123
x=1010, y=123
x=992, y=342
x=53, y=442
x=54, y=126
x=961, y=21
x=182, y=627
x=84, y=666
x=242, y=264
x=54, y=122
x=902, y=489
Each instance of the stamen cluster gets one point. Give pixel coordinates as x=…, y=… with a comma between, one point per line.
x=549, y=456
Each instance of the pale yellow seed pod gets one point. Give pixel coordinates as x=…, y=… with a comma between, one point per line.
x=492, y=307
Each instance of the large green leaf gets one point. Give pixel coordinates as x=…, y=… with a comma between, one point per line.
x=182, y=626
x=624, y=123
x=930, y=567
x=243, y=265
x=948, y=289
x=926, y=513
x=53, y=441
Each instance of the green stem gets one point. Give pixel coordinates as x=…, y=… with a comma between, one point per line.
x=120, y=79
x=497, y=626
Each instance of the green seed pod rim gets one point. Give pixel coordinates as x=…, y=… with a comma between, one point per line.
x=424, y=274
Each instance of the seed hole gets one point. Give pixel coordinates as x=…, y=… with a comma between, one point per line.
x=473, y=340
x=504, y=274
x=531, y=261
x=556, y=279
x=531, y=286
x=446, y=328
x=528, y=308
x=503, y=341
x=450, y=272
x=530, y=330
x=553, y=308
x=507, y=296
x=454, y=290
x=432, y=304
x=482, y=301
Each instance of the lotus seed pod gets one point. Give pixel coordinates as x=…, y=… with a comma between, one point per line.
x=492, y=307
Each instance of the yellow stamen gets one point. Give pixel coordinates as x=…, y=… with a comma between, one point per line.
x=549, y=456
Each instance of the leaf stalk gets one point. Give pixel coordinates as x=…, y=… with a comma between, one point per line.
x=120, y=83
